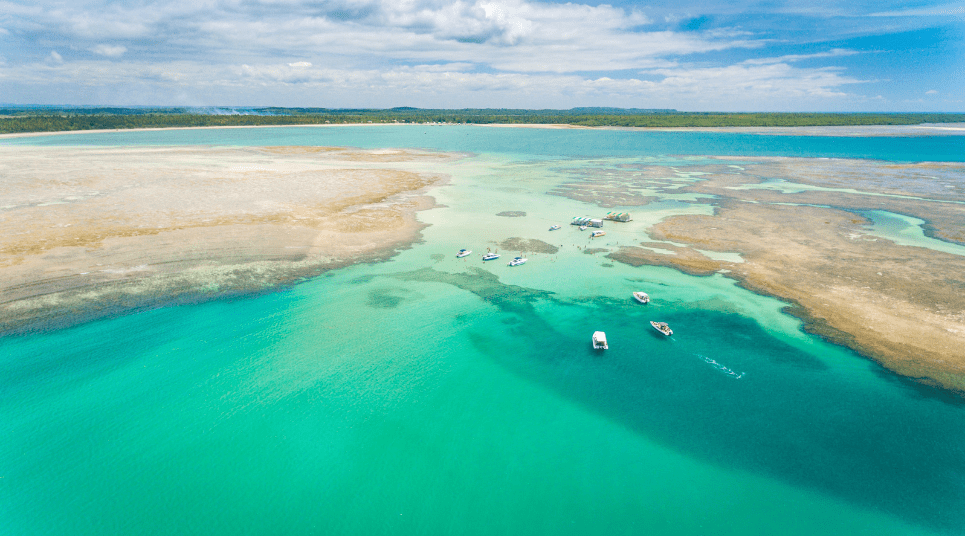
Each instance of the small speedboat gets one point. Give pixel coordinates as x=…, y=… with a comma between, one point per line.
x=555, y=227
x=490, y=256
x=583, y=227
x=599, y=341
x=595, y=234
x=641, y=297
x=662, y=327
x=517, y=261
x=463, y=253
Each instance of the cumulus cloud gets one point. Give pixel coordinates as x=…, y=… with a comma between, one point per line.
x=931, y=92
x=111, y=51
x=728, y=87
x=522, y=52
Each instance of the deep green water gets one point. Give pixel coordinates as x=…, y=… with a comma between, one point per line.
x=434, y=395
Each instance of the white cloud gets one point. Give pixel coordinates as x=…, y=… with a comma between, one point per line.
x=731, y=87
x=461, y=52
x=931, y=92
x=833, y=53
x=111, y=51
x=54, y=57
x=947, y=10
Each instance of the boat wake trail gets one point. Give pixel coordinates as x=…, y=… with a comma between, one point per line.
x=722, y=368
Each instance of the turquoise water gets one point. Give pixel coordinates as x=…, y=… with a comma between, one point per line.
x=907, y=231
x=435, y=395
x=541, y=142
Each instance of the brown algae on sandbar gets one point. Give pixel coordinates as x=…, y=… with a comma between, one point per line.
x=91, y=231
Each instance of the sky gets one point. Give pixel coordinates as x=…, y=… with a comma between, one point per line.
x=740, y=55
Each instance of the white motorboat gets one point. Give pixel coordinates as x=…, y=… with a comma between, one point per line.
x=490, y=256
x=599, y=341
x=662, y=327
x=517, y=261
x=555, y=227
x=463, y=253
x=583, y=227
x=595, y=234
x=641, y=297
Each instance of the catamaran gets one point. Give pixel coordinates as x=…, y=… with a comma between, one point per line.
x=463, y=253
x=662, y=327
x=599, y=341
x=517, y=261
x=641, y=297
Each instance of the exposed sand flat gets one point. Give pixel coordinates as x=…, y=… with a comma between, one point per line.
x=925, y=129
x=903, y=306
x=88, y=231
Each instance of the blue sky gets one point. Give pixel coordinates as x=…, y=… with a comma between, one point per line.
x=796, y=55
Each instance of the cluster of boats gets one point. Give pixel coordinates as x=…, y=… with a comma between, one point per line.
x=599, y=337
x=491, y=257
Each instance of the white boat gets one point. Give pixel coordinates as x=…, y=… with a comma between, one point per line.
x=641, y=297
x=662, y=327
x=517, y=261
x=595, y=234
x=555, y=227
x=463, y=253
x=490, y=256
x=583, y=227
x=599, y=341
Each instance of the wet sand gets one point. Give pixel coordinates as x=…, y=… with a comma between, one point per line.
x=89, y=232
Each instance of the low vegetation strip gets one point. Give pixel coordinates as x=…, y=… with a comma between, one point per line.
x=18, y=119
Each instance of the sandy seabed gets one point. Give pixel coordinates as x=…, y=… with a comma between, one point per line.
x=87, y=232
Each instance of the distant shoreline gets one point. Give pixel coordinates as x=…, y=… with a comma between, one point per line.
x=929, y=129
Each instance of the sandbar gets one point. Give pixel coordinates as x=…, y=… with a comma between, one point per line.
x=94, y=231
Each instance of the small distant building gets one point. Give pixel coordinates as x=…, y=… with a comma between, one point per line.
x=617, y=216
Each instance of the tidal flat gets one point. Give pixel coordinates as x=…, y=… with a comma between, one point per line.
x=803, y=233
x=90, y=232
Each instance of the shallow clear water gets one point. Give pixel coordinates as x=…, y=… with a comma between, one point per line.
x=538, y=142
x=435, y=395
x=907, y=231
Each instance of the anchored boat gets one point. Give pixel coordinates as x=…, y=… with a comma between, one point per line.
x=555, y=227
x=662, y=327
x=490, y=256
x=517, y=261
x=463, y=253
x=641, y=297
x=599, y=340
x=595, y=234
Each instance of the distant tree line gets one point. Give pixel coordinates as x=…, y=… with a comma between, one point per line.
x=60, y=119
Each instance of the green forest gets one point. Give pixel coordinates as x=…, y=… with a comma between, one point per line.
x=59, y=119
